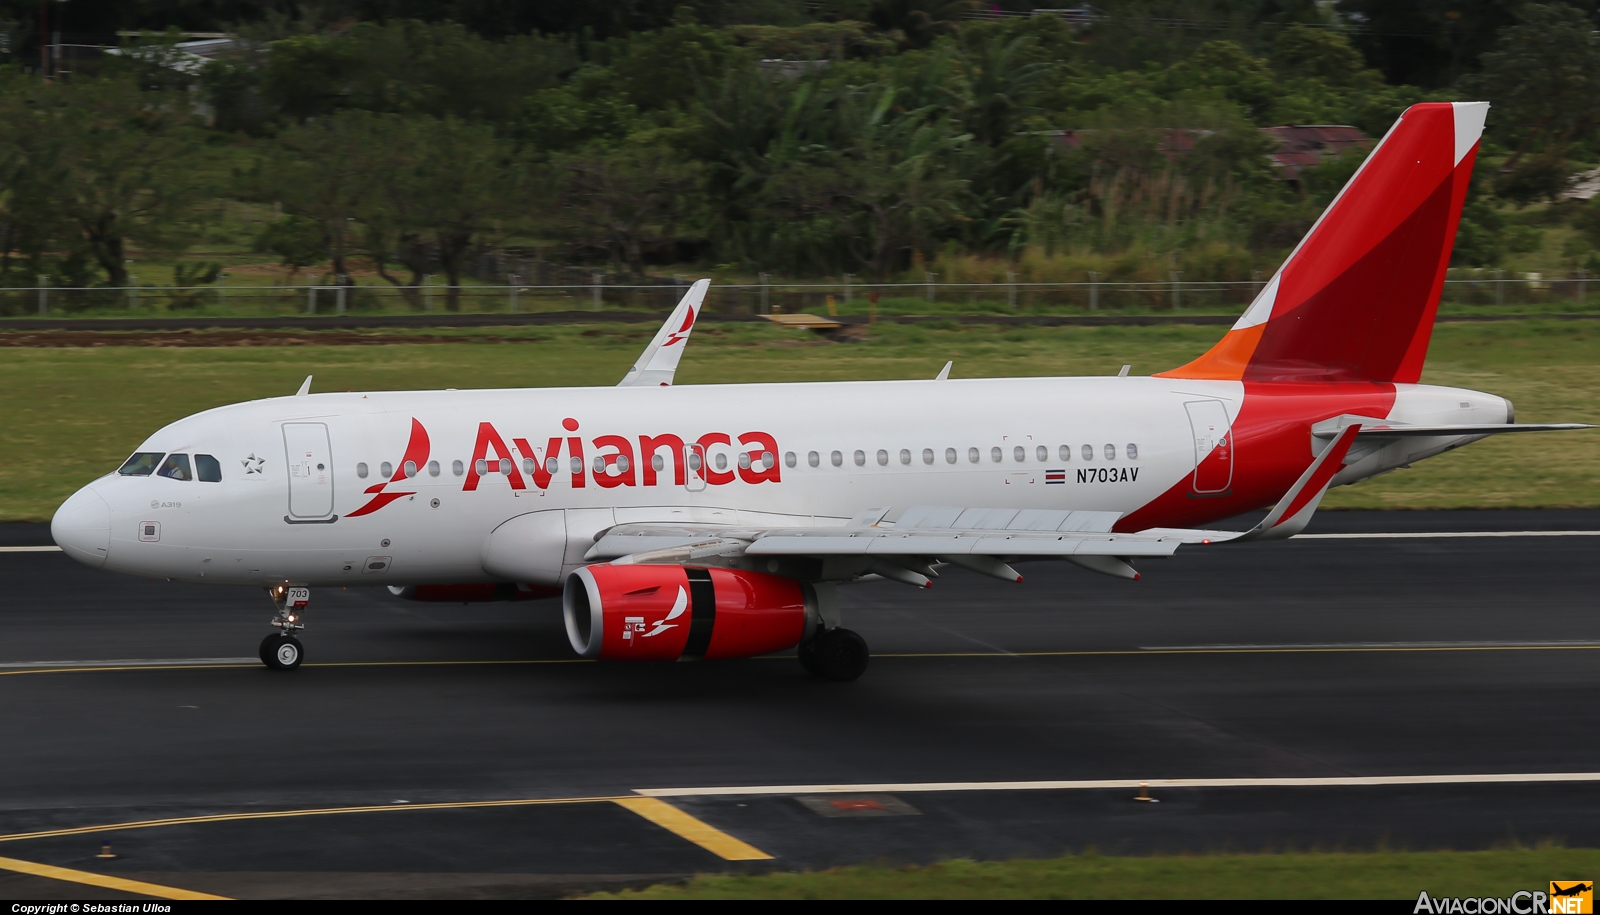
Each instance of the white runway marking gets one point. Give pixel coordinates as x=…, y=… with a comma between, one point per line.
x=1134, y=784
x=128, y=662
x=30, y=549
x=1558, y=643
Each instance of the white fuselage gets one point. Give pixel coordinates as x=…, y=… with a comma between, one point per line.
x=292, y=507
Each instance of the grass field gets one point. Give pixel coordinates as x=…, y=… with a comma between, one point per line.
x=1381, y=875
x=72, y=413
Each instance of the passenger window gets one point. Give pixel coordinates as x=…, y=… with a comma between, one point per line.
x=927, y=455
x=1065, y=452
x=769, y=460
x=480, y=467
x=813, y=458
x=361, y=470
x=972, y=455
x=1088, y=452
x=883, y=458
x=458, y=468
x=788, y=459
x=552, y=466
x=527, y=467
x=861, y=458
x=1019, y=454
x=433, y=468
x=1133, y=452
x=411, y=469
x=1111, y=452
x=905, y=456
x=994, y=454
x=949, y=455
x=622, y=463
x=140, y=465
x=208, y=468
x=694, y=462
x=1042, y=453
x=175, y=467
x=387, y=470
x=657, y=463
x=837, y=458
x=744, y=460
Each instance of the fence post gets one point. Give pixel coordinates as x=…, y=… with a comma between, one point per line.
x=44, y=295
x=597, y=278
x=1094, y=290
x=765, y=307
x=344, y=285
x=932, y=280
x=513, y=293
x=1011, y=290
x=847, y=278
x=1177, y=300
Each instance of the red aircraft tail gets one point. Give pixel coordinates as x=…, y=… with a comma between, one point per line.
x=1355, y=301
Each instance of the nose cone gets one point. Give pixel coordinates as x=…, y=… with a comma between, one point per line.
x=82, y=527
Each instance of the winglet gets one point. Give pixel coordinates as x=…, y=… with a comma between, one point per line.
x=659, y=361
x=305, y=387
x=1293, y=512
x=944, y=373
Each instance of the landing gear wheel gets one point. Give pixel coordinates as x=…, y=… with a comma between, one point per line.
x=838, y=654
x=281, y=652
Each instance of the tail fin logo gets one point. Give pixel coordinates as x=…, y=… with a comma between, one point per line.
x=1355, y=300
x=682, y=333
x=416, y=455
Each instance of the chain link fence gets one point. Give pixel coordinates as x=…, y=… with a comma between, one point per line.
x=1486, y=294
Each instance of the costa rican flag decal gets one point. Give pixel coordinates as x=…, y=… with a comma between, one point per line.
x=1055, y=476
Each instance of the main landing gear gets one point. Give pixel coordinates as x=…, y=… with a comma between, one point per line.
x=835, y=654
x=281, y=650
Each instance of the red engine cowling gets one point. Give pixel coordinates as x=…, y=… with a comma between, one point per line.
x=673, y=613
x=477, y=592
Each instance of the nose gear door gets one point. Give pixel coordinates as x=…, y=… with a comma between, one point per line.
x=1213, y=446
x=310, y=461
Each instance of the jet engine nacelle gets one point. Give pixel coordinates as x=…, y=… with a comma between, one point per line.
x=673, y=613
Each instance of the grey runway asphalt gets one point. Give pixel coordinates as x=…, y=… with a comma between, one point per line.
x=1317, y=659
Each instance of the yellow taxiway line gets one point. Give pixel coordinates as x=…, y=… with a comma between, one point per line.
x=656, y=811
x=101, y=880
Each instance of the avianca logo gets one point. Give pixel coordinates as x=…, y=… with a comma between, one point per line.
x=682, y=333
x=416, y=455
x=617, y=463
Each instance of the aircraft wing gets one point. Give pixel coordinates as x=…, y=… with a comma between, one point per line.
x=659, y=361
x=982, y=539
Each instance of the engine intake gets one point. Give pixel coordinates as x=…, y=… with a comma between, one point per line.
x=673, y=613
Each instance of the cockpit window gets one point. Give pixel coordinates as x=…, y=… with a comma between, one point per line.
x=208, y=468
x=141, y=464
x=176, y=466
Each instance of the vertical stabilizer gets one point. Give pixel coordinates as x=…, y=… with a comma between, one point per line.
x=1356, y=299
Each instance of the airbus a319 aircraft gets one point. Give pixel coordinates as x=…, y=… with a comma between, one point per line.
x=717, y=521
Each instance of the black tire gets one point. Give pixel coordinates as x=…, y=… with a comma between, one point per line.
x=807, y=653
x=838, y=655
x=281, y=652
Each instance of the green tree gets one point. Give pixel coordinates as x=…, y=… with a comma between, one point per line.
x=112, y=163
x=1543, y=78
x=623, y=202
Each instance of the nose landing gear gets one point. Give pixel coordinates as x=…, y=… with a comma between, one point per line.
x=281, y=650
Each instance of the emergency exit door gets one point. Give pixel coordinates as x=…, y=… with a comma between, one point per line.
x=1213, y=446
x=310, y=461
